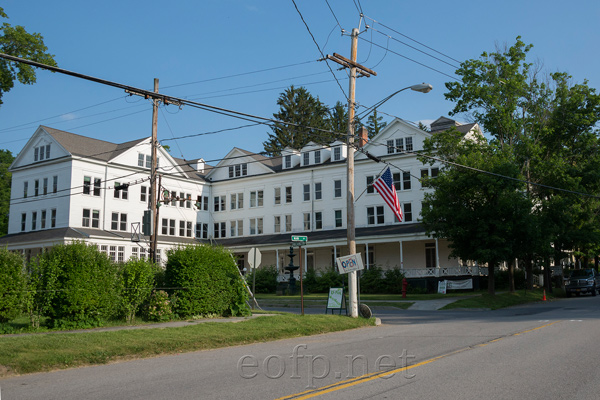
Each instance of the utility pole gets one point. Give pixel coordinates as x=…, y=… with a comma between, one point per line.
x=351, y=228
x=350, y=223
x=153, y=175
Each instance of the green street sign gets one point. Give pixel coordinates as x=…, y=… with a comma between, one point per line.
x=299, y=239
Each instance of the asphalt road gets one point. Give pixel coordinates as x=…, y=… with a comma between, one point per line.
x=539, y=351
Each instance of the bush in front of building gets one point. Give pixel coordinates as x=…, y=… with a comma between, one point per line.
x=78, y=286
x=265, y=281
x=393, y=281
x=371, y=280
x=314, y=282
x=137, y=282
x=207, y=281
x=13, y=285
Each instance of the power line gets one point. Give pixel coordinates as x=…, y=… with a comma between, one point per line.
x=415, y=48
x=410, y=59
x=334, y=16
x=416, y=41
x=12, y=128
x=241, y=74
x=319, y=48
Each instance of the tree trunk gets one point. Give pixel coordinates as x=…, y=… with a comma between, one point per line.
x=511, y=276
x=491, y=280
x=529, y=271
x=547, y=275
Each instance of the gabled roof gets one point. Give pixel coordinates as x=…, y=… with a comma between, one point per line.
x=443, y=124
x=83, y=146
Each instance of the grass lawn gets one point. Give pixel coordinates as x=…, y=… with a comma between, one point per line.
x=502, y=300
x=46, y=352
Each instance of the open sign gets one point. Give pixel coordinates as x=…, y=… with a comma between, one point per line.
x=349, y=263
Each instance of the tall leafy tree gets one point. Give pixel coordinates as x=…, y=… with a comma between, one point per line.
x=304, y=119
x=375, y=123
x=481, y=214
x=338, y=119
x=16, y=41
x=548, y=125
x=6, y=158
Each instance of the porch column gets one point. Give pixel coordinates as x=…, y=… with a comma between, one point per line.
x=367, y=256
x=334, y=255
x=437, y=254
x=401, y=256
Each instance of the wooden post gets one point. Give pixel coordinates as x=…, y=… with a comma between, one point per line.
x=153, y=174
x=351, y=228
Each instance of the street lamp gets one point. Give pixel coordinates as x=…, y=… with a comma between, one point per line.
x=350, y=220
x=421, y=87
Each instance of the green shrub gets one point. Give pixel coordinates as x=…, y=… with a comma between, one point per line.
x=208, y=281
x=79, y=286
x=13, y=284
x=137, y=281
x=330, y=278
x=371, y=280
x=309, y=281
x=266, y=279
x=159, y=307
x=502, y=282
x=393, y=281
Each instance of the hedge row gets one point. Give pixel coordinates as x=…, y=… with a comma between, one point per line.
x=75, y=285
x=373, y=280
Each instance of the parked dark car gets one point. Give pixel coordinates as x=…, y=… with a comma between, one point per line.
x=582, y=281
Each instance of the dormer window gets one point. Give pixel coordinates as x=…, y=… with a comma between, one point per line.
x=238, y=170
x=288, y=161
x=41, y=153
x=317, y=156
x=305, y=158
x=337, y=153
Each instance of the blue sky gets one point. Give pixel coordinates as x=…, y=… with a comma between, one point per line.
x=196, y=49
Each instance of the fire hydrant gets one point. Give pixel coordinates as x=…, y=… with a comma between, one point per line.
x=404, y=287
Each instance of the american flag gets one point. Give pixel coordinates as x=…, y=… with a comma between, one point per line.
x=385, y=187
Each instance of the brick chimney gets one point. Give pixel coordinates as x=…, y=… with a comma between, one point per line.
x=363, y=136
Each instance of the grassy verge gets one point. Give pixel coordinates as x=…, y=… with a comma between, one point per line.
x=501, y=300
x=45, y=352
x=269, y=298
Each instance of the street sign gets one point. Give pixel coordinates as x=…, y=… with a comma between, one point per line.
x=350, y=263
x=254, y=257
x=300, y=239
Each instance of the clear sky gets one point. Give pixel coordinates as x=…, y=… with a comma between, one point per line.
x=213, y=52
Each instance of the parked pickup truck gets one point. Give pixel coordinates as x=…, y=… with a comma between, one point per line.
x=582, y=281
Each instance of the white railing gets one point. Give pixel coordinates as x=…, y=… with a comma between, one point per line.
x=445, y=271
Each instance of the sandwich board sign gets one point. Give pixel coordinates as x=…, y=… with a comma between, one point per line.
x=336, y=300
x=350, y=263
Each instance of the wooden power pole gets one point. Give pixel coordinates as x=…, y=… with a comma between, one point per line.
x=350, y=222
x=153, y=187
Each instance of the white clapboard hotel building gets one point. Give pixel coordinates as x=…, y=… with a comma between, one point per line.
x=63, y=189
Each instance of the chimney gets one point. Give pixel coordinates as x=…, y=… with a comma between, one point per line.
x=200, y=165
x=363, y=136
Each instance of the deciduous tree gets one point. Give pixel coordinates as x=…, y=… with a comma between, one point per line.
x=16, y=41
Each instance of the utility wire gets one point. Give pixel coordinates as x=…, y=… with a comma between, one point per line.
x=410, y=59
x=12, y=128
x=240, y=74
x=415, y=48
x=319, y=48
x=416, y=41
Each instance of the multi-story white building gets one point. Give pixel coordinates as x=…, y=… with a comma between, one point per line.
x=68, y=187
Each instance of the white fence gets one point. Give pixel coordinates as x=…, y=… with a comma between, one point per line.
x=445, y=271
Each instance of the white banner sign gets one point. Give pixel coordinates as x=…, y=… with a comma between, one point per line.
x=349, y=263
x=462, y=284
